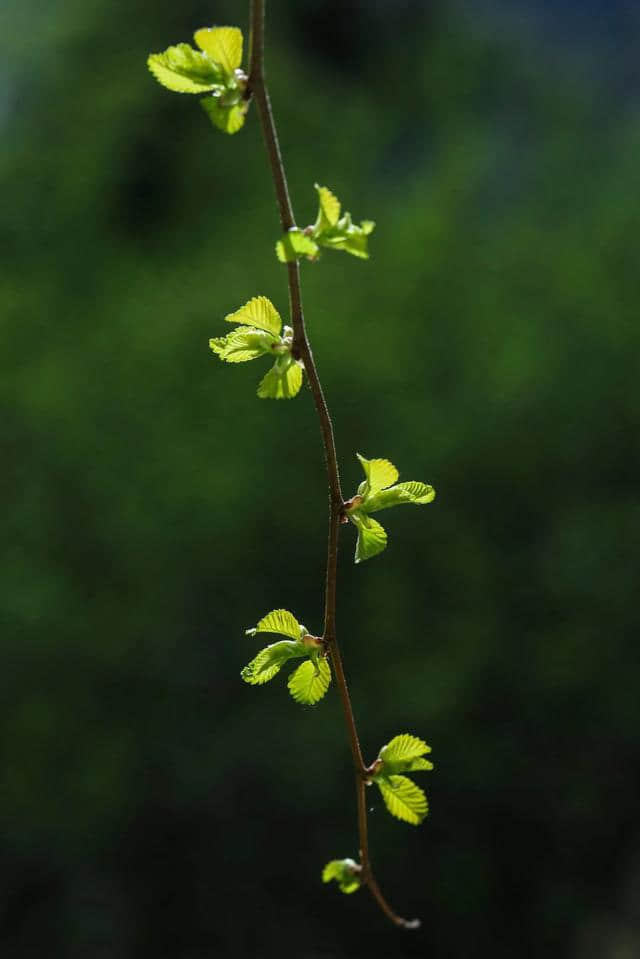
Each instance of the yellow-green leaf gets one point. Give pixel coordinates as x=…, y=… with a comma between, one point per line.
x=346, y=873
x=185, y=70
x=282, y=381
x=295, y=244
x=309, y=682
x=403, y=799
x=229, y=119
x=259, y=312
x=279, y=621
x=380, y=473
x=404, y=747
x=269, y=662
x=329, y=212
x=222, y=44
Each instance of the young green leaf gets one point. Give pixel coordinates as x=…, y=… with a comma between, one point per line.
x=403, y=798
x=413, y=492
x=242, y=345
x=185, y=70
x=348, y=237
x=328, y=209
x=230, y=118
x=379, y=474
x=346, y=873
x=258, y=312
x=294, y=244
x=372, y=537
x=404, y=754
x=279, y=621
x=282, y=381
x=222, y=44
x=309, y=682
x=270, y=661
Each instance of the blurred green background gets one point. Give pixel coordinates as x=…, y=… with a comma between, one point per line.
x=151, y=804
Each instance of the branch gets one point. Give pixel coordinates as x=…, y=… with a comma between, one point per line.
x=301, y=349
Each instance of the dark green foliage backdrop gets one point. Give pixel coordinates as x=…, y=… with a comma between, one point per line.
x=151, y=804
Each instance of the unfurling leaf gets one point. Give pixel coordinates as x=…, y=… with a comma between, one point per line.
x=330, y=230
x=310, y=681
x=295, y=243
x=258, y=312
x=376, y=492
x=346, y=873
x=403, y=798
x=372, y=537
x=379, y=474
x=222, y=44
x=270, y=660
x=214, y=69
x=260, y=333
x=404, y=754
x=279, y=621
x=185, y=70
x=328, y=209
x=242, y=345
x=282, y=381
x=229, y=118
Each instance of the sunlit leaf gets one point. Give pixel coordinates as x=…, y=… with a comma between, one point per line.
x=346, y=873
x=258, y=312
x=295, y=244
x=404, y=746
x=229, y=119
x=404, y=754
x=417, y=493
x=222, y=44
x=372, y=537
x=309, y=682
x=403, y=798
x=270, y=660
x=379, y=473
x=185, y=70
x=279, y=621
x=242, y=345
x=283, y=380
x=329, y=209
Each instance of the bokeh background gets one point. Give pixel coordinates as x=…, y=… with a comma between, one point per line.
x=152, y=806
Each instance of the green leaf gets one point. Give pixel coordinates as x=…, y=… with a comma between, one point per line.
x=279, y=621
x=348, y=237
x=372, y=537
x=283, y=381
x=229, y=119
x=346, y=872
x=404, y=754
x=270, y=661
x=295, y=244
x=379, y=474
x=412, y=492
x=309, y=682
x=403, y=798
x=328, y=210
x=404, y=746
x=242, y=345
x=258, y=312
x=222, y=44
x=185, y=70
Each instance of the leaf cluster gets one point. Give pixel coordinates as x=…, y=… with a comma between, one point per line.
x=330, y=230
x=380, y=490
x=260, y=333
x=213, y=70
x=403, y=798
x=310, y=681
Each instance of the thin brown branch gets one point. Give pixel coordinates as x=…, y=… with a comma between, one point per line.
x=301, y=348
